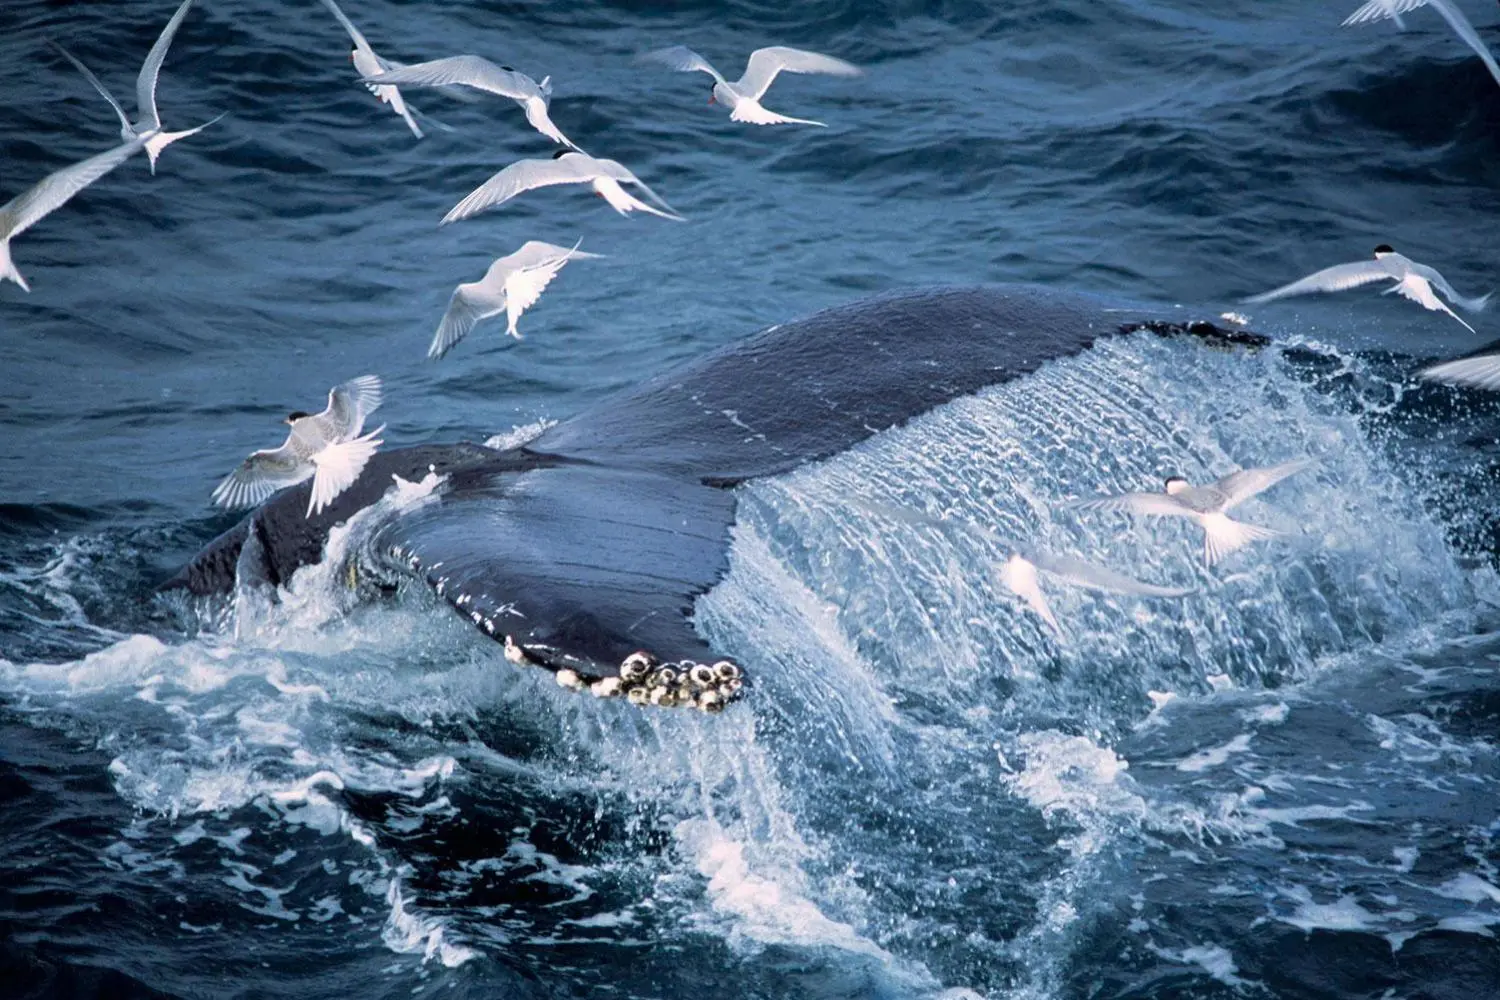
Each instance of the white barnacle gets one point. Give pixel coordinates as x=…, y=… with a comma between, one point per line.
x=702, y=675
x=476, y=616
x=513, y=652
x=636, y=696
x=727, y=671
x=606, y=687
x=489, y=625
x=569, y=679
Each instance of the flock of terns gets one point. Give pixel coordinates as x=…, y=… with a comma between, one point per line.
x=332, y=447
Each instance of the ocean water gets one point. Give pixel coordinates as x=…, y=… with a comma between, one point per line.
x=1286, y=785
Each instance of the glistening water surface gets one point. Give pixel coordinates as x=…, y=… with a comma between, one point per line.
x=1286, y=785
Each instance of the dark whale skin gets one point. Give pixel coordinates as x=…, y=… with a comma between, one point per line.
x=594, y=539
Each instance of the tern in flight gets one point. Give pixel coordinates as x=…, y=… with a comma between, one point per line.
x=566, y=167
x=148, y=123
x=325, y=447
x=1412, y=280
x=1207, y=505
x=742, y=97
x=481, y=74
x=512, y=285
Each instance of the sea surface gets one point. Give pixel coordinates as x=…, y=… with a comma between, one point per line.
x=1284, y=786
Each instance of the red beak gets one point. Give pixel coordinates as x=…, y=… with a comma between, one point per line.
x=710, y=98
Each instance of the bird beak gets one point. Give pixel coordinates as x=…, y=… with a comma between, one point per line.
x=711, y=98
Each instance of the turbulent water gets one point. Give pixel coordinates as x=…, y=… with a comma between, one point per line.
x=1285, y=785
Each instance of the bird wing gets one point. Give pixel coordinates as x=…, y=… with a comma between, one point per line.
x=1432, y=275
x=682, y=59
x=465, y=71
x=1150, y=504
x=1019, y=576
x=1463, y=29
x=145, y=83
x=355, y=35
x=1083, y=574
x=349, y=405
x=1238, y=487
x=618, y=171
x=539, y=119
x=755, y=113
x=468, y=305
x=1415, y=288
x=534, y=252
x=1482, y=370
x=524, y=175
x=1330, y=279
x=91, y=78
x=51, y=192
x=764, y=64
x=338, y=466
x=525, y=285
x=262, y=474
x=1375, y=10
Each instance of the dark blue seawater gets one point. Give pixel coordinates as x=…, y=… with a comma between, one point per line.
x=1286, y=785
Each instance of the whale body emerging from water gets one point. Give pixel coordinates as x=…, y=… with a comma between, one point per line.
x=584, y=550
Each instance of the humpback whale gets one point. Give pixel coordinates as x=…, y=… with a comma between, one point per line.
x=583, y=550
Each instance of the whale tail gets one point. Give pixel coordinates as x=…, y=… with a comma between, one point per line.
x=1221, y=536
x=8, y=270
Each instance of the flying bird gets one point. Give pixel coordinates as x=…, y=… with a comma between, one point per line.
x=481, y=74
x=1376, y=10
x=1412, y=280
x=1022, y=568
x=51, y=193
x=742, y=97
x=512, y=285
x=368, y=64
x=1479, y=370
x=326, y=447
x=148, y=121
x=565, y=167
x=1207, y=505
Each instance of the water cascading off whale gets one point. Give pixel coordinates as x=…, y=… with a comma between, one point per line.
x=584, y=550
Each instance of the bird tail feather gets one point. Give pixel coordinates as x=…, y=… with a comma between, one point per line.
x=1221, y=536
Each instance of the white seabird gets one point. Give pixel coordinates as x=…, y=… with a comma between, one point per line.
x=565, y=167
x=1207, y=505
x=148, y=122
x=742, y=97
x=512, y=285
x=481, y=74
x=326, y=447
x=1412, y=280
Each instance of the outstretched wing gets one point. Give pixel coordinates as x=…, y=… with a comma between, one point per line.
x=466, y=307
x=765, y=63
x=1087, y=575
x=523, y=175
x=355, y=35
x=261, y=475
x=1330, y=279
x=349, y=405
x=91, y=78
x=1441, y=284
x=1481, y=370
x=145, y=83
x=53, y=191
x=1376, y=10
x=1146, y=504
x=682, y=59
x=1240, y=486
x=618, y=171
x=1465, y=31
x=337, y=467
x=463, y=71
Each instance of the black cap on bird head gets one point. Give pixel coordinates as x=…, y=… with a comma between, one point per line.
x=508, y=69
x=1176, y=484
x=295, y=416
x=561, y=153
x=1384, y=248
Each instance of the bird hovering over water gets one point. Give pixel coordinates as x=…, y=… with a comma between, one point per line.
x=1376, y=10
x=368, y=64
x=1412, y=280
x=566, y=167
x=51, y=193
x=512, y=285
x=326, y=447
x=742, y=97
x=1022, y=568
x=148, y=125
x=481, y=74
x=1207, y=505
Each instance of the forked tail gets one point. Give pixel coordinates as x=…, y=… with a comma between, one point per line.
x=8, y=270
x=1221, y=536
